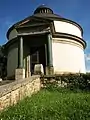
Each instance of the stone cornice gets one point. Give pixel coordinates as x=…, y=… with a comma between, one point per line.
x=71, y=37
x=67, y=41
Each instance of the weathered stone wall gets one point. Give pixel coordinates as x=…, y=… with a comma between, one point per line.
x=48, y=80
x=11, y=93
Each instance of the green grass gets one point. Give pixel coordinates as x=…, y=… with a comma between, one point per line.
x=51, y=105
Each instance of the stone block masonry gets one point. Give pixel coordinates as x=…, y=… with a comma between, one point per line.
x=11, y=93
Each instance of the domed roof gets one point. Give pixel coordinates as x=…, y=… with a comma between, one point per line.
x=43, y=9
x=45, y=12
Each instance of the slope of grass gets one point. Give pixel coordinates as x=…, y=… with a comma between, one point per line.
x=51, y=105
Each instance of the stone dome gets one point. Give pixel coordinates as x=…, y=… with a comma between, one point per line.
x=45, y=12
x=43, y=9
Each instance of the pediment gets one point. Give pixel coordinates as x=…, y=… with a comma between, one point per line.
x=32, y=22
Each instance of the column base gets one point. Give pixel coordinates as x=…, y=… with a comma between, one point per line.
x=19, y=73
x=27, y=74
x=49, y=70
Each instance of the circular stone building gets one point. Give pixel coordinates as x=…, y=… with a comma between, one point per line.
x=48, y=39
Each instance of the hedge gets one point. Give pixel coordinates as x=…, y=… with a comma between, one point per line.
x=73, y=81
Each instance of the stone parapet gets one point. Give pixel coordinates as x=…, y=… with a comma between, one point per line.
x=11, y=93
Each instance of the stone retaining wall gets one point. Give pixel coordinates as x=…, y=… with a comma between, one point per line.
x=11, y=93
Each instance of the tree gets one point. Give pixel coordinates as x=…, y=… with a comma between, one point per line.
x=3, y=62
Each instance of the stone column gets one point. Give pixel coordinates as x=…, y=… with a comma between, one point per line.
x=49, y=65
x=20, y=53
x=20, y=71
x=46, y=53
x=28, y=66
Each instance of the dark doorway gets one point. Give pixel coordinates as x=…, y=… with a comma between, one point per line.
x=37, y=57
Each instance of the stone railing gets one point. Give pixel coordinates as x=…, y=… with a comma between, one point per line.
x=11, y=93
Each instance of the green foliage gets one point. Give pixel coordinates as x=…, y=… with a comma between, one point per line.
x=58, y=104
x=77, y=81
x=3, y=62
x=73, y=81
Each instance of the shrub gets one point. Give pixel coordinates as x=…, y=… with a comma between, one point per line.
x=73, y=81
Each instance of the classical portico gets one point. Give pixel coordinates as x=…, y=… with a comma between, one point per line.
x=32, y=48
x=48, y=39
x=39, y=51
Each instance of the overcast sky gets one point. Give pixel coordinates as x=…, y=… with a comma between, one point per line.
x=12, y=11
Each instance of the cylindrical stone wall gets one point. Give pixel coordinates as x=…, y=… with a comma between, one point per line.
x=68, y=28
x=68, y=56
x=12, y=60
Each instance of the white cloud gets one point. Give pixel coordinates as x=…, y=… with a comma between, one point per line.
x=87, y=62
x=8, y=23
x=87, y=57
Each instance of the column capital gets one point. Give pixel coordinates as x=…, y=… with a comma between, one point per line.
x=49, y=35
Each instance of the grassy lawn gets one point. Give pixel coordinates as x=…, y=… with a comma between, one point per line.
x=51, y=105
